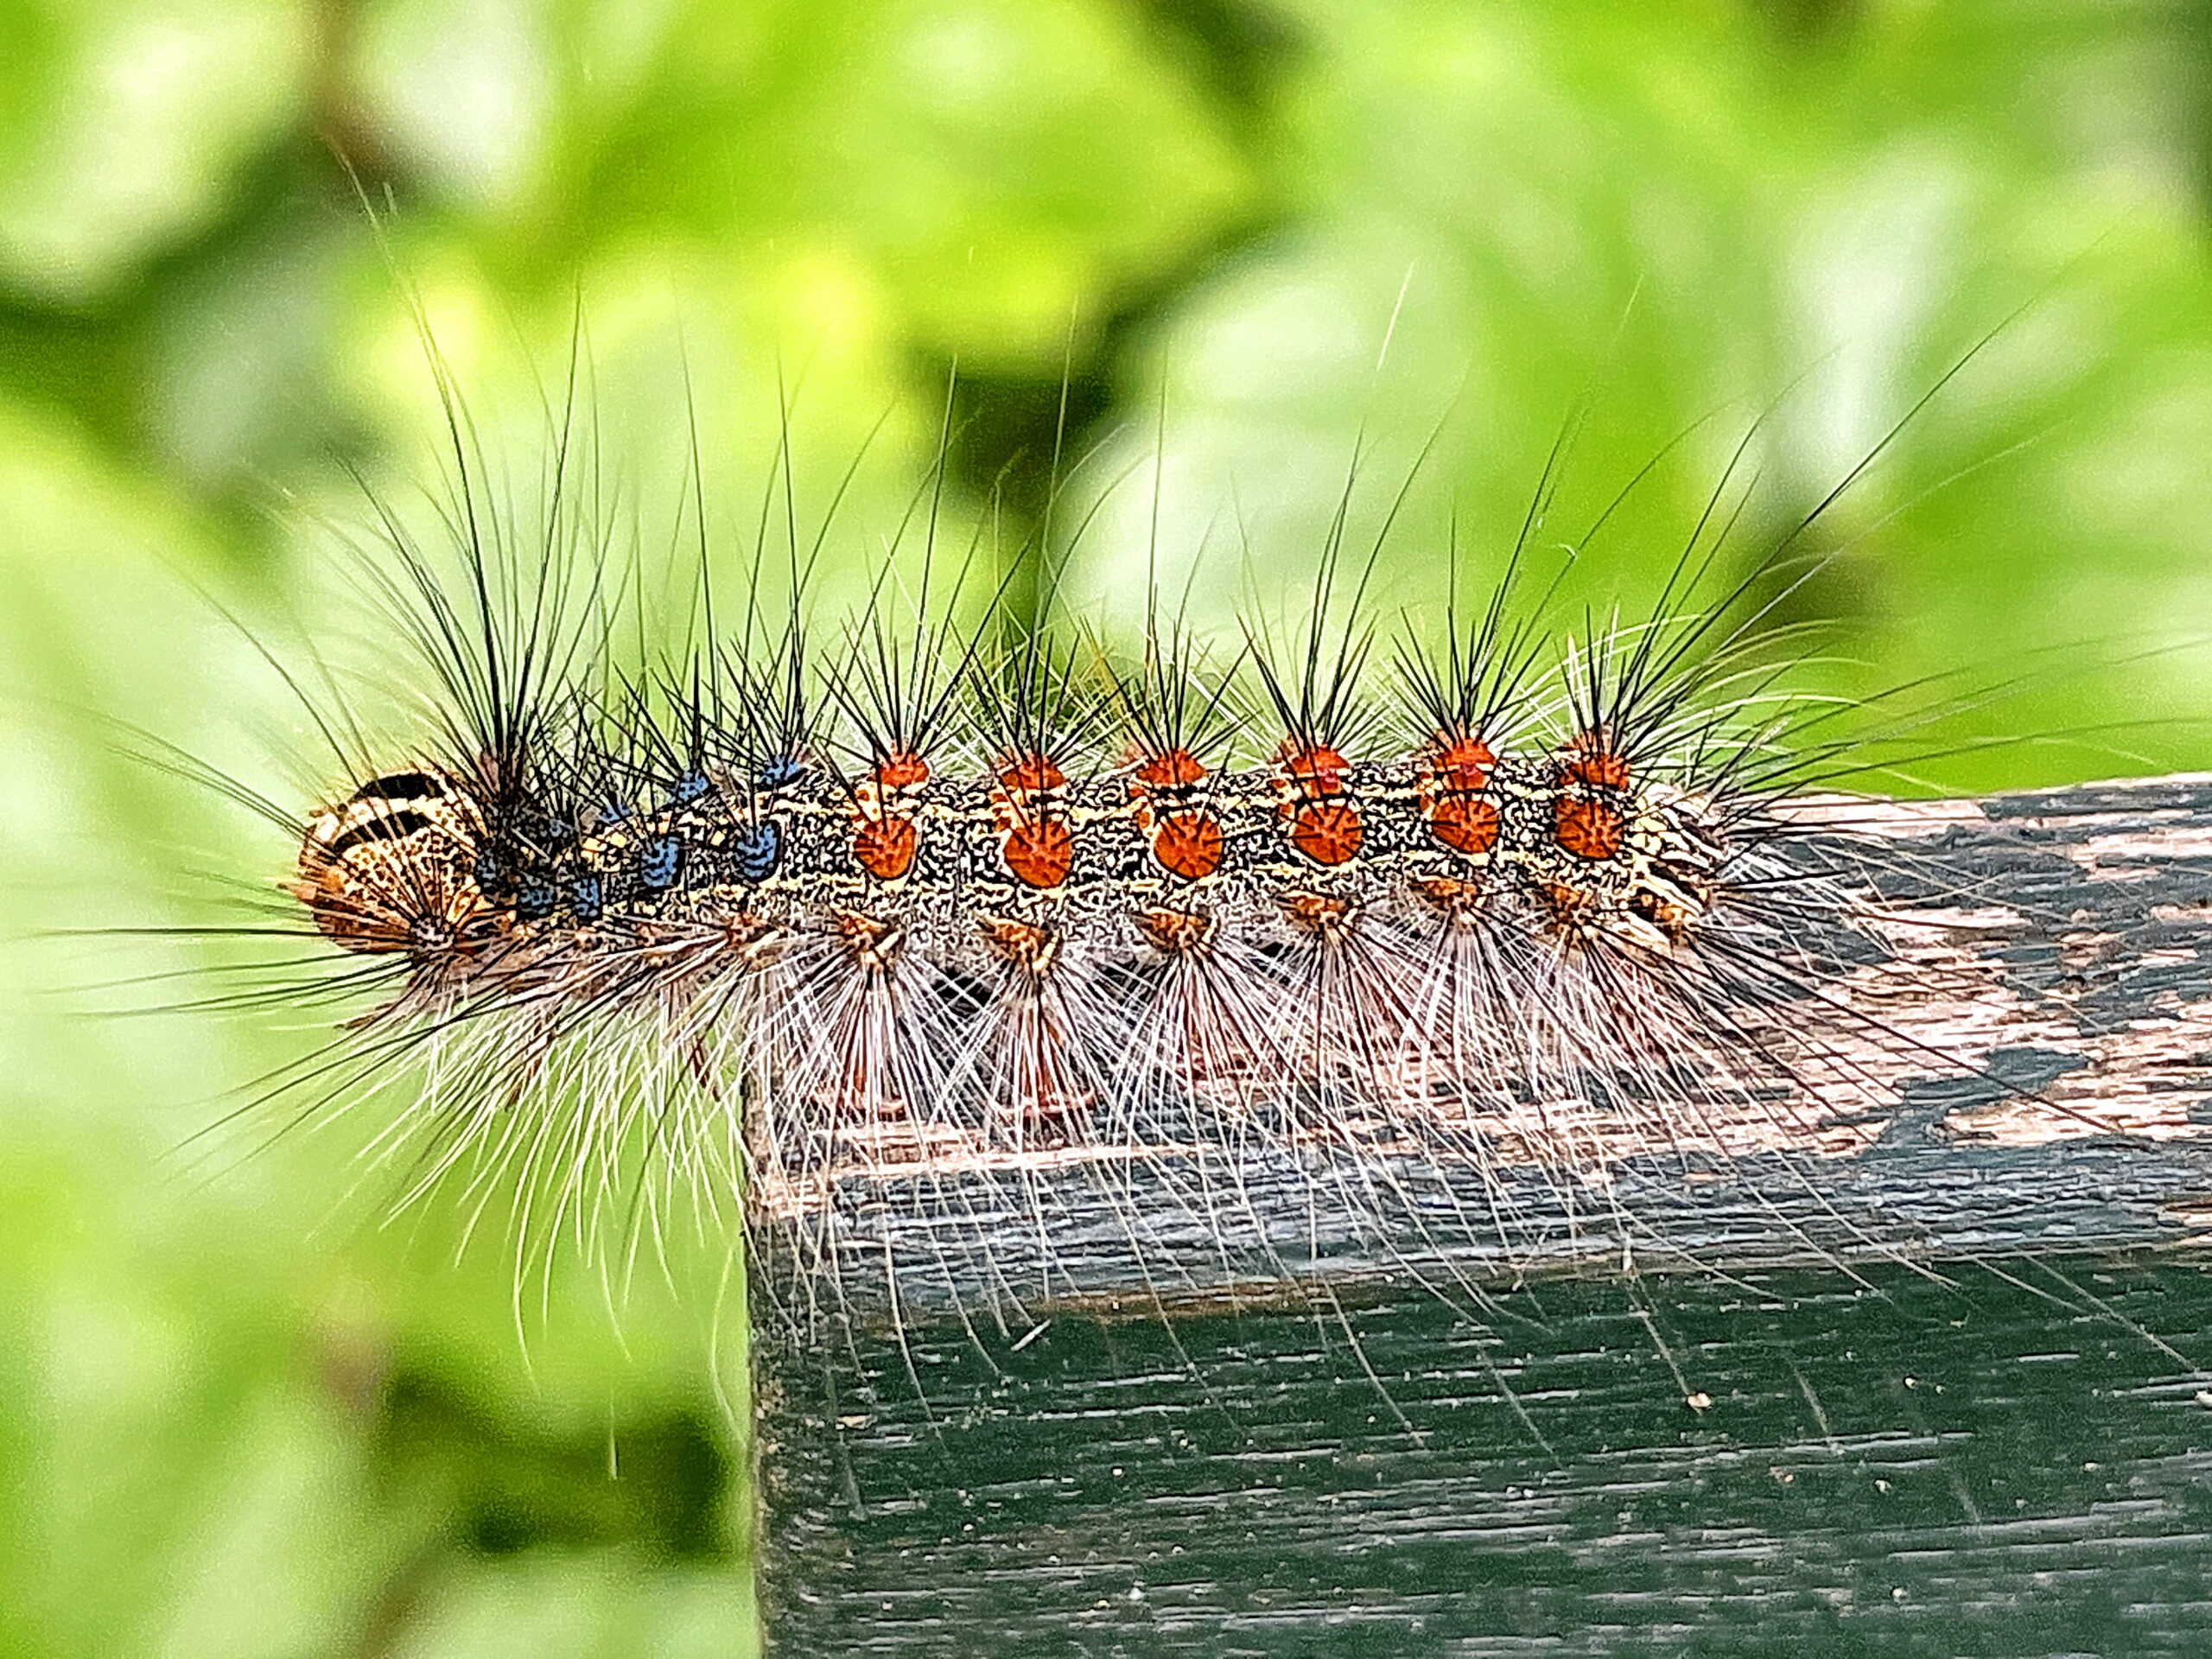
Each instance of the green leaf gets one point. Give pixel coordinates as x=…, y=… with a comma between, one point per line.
x=126, y=124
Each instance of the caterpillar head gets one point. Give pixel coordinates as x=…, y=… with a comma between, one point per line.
x=390, y=866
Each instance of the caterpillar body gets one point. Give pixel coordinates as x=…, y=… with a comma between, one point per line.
x=950, y=885
x=999, y=888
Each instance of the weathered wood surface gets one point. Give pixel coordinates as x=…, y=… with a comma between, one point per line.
x=1925, y=1376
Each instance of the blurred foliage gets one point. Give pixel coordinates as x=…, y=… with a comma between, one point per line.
x=1196, y=225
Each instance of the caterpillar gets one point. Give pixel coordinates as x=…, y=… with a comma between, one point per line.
x=725, y=920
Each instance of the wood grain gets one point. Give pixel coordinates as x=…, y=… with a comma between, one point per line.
x=1897, y=1353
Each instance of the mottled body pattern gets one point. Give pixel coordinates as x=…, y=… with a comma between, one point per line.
x=1029, y=959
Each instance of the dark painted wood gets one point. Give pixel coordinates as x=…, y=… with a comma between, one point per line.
x=1919, y=1376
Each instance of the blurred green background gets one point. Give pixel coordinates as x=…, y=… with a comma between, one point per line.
x=232, y=1424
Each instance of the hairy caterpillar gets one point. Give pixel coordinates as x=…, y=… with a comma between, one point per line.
x=774, y=901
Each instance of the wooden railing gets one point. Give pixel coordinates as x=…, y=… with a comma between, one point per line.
x=1904, y=1351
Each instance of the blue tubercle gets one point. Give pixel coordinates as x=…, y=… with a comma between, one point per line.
x=687, y=788
x=660, y=862
x=586, y=898
x=756, y=849
x=779, y=772
x=534, y=900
